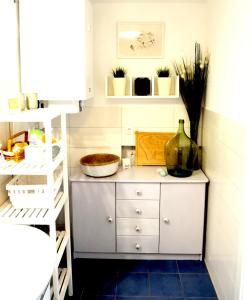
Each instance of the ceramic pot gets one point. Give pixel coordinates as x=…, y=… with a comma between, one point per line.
x=119, y=86
x=164, y=86
x=142, y=86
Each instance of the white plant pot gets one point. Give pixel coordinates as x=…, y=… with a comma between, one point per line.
x=164, y=86
x=119, y=86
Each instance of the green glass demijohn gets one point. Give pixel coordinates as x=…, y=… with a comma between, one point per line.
x=180, y=153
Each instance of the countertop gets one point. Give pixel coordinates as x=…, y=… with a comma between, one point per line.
x=145, y=174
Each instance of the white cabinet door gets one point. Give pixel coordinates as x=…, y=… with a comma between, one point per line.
x=93, y=208
x=89, y=86
x=8, y=53
x=182, y=218
x=54, y=48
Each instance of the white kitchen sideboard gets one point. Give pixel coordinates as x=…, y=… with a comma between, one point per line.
x=136, y=213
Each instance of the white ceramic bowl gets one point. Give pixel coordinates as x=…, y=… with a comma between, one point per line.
x=99, y=164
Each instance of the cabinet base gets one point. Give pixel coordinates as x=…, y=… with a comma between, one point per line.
x=138, y=256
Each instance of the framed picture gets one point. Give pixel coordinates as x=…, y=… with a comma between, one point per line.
x=140, y=40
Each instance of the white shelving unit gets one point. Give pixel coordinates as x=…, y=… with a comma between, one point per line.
x=109, y=94
x=62, y=278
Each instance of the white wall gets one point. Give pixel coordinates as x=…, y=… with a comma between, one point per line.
x=229, y=40
x=184, y=24
x=105, y=125
x=225, y=158
x=223, y=163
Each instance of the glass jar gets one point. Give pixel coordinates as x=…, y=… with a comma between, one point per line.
x=180, y=153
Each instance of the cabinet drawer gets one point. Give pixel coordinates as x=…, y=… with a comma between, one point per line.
x=135, y=226
x=138, y=191
x=137, y=209
x=137, y=244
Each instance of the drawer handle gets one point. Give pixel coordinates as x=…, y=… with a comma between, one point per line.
x=138, y=229
x=166, y=220
x=139, y=193
x=109, y=219
x=138, y=211
x=138, y=247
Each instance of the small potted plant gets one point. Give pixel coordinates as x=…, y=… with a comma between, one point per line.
x=119, y=81
x=163, y=81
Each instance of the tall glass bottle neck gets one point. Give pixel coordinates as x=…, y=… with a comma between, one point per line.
x=181, y=126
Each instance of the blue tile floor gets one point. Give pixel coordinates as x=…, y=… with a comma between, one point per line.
x=141, y=280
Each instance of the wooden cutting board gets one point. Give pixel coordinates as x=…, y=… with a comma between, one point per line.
x=150, y=147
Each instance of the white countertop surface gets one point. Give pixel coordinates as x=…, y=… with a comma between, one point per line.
x=141, y=174
x=27, y=258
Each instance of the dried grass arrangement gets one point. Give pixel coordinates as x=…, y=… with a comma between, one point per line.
x=192, y=86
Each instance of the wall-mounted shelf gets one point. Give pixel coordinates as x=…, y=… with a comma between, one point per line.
x=130, y=94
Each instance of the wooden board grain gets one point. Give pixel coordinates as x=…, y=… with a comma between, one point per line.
x=150, y=147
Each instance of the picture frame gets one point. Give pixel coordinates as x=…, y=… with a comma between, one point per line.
x=140, y=39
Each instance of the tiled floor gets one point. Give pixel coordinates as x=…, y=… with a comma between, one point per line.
x=141, y=280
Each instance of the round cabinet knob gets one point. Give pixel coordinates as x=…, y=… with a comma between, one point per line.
x=166, y=220
x=109, y=219
x=138, y=229
x=138, y=247
x=138, y=211
x=139, y=193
